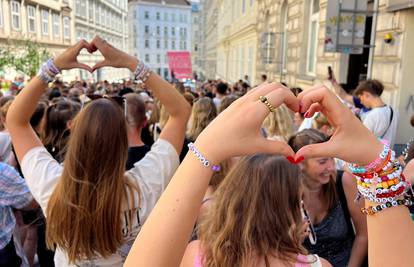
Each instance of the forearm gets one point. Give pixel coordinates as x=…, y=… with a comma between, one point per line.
x=25, y=104
x=166, y=233
x=174, y=103
x=390, y=240
x=359, y=251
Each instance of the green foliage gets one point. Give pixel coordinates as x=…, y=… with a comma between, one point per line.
x=24, y=56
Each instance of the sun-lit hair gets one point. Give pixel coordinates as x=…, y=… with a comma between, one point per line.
x=279, y=123
x=255, y=214
x=84, y=210
x=203, y=112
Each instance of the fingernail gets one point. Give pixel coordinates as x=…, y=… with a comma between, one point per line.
x=306, y=115
x=291, y=159
x=300, y=159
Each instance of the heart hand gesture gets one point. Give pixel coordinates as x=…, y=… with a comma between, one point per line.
x=68, y=59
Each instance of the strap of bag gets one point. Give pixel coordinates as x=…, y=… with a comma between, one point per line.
x=389, y=124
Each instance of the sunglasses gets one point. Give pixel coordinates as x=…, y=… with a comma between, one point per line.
x=119, y=100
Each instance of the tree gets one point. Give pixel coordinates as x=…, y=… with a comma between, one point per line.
x=24, y=56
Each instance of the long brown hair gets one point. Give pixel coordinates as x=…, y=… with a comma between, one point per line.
x=312, y=136
x=256, y=212
x=203, y=112
x=84, y=210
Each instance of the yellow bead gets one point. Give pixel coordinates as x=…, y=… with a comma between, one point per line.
x=384, y=185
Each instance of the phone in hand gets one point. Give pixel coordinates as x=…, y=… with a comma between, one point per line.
x=311, y=230
x=330, y=73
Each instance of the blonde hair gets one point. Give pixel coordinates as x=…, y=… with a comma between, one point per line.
x=203, y=112
x=279, y=123
x=84, y=210
x=256, y=212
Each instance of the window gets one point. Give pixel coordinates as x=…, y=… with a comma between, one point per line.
x=102, y=12
x=166, y=16
x=15, y=12
x=147, y=58
x=165, y=44
x=146, y=29
x=185, y=45
x=172, y=31
x=158, y=44
x=56, y=25
x=173, y=17
x=147, y=44
x=158, y=16
x=66, y=28
x=31, y=18
x=90, y=10
x=243, y=6
x=146, y=14
x=195, y=47
x=313, y=37
x=158, y=58
x=165, y=31
x=45, y=22
x=173, y=45
x=78, y=7
x=158, y=30
x=97, y=12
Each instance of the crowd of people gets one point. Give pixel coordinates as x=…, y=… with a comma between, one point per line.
x=152, y=173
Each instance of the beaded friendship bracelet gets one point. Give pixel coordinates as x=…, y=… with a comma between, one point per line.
x=48, y=71
x=202, y=159
x=142, y=72
x=371, y=210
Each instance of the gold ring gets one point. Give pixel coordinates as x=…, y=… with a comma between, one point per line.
x=264, y=100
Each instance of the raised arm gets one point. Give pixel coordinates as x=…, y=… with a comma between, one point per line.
x=165, y=235
x=23, y=136
x=177, y=107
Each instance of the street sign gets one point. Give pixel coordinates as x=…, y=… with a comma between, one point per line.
x=345, y=26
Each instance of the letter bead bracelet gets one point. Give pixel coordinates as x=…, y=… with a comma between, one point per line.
x=48, y=71
x=142, y=72
x=202, y=159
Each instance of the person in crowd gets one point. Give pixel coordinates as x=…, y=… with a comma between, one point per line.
x=96, y=230
x=221, y=93
x=240, y=230
x=56, y=126
x=164, y=237
x=14, y=195
x=322, y=124
x=381, y=120
x=6, y=149
x=226, y=102
x=264, y=78
x=203, y=112
x=329, y=199
x=279, y=124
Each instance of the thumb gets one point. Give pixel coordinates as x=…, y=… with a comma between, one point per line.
x=275, y=147
x=325, y=149
x=100, y=64
x=82, y=66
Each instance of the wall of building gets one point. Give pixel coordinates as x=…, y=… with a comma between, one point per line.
x=237, y=42
x=108, y=19
x=153, y=35
x=211, y=16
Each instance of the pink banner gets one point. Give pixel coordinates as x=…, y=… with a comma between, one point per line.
x=180, y=64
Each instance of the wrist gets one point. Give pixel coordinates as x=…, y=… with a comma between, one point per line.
x=132, y=63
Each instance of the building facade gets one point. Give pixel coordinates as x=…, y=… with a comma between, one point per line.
x=197, y=39
x=158, y=27
x=210, y=18
x=291, y=50
x=48, y=23
x=237, y=42
x=108, y=19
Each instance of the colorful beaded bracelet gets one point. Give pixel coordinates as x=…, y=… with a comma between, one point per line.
x=201, y=158
x=371, y=210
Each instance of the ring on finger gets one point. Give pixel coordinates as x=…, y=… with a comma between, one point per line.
x=264, y=100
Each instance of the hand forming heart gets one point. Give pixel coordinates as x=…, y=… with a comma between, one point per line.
x=236, y=131
x=112, y=57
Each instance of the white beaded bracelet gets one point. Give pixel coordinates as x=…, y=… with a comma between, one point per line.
x=201, y=158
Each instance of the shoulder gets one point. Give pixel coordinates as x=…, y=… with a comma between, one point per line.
x=192, y=255
x=325, y=263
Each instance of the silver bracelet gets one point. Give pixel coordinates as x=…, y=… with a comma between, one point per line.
x=142, y=72
x=202, y=159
